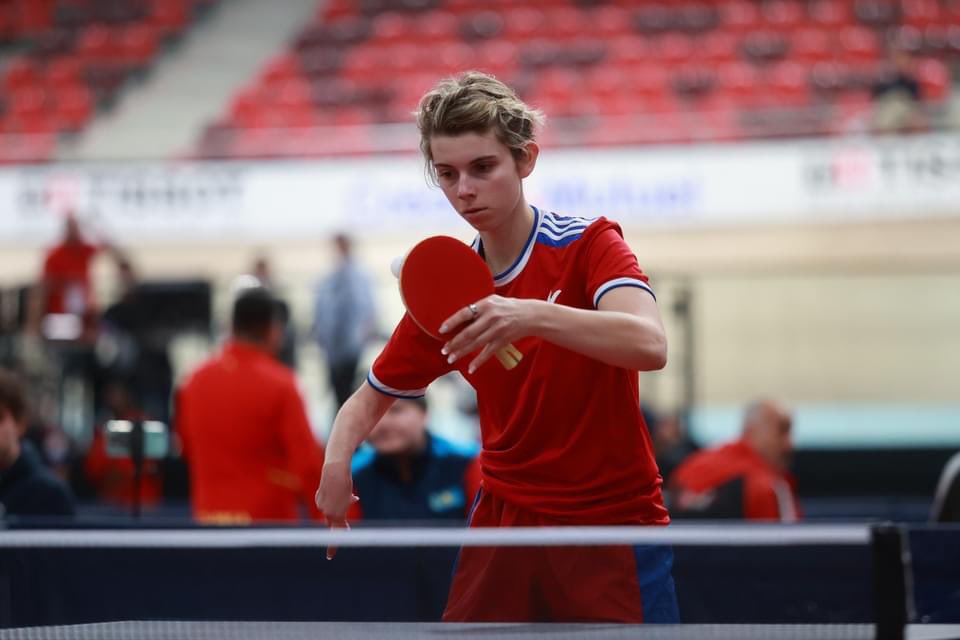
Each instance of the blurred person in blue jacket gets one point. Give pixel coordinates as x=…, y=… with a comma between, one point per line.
x=405, y=472
x=27, y=486
x=345, y=318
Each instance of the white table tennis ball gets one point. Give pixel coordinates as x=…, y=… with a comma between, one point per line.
x=395, y=266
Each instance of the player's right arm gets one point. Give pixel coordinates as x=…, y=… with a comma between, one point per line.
x=359, y=414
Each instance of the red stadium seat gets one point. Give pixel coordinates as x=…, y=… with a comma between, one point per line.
x=629, y=50
x=934, y=79
x=138, y=45
x=449, y=58
x=365, y=63
x=951, y=12
x=740, y=16
x=717, y=48
x=333, y=9
x=95, y=44
x=564, y=23
x=21, y=73
x=36, y=123
x=291, y=93
x=403, y=58
x=66, y=71
x=437, y=26
x=524, y=23
x=595, y=61
x=559, y=84
x=28, y=102
x=789, y=84
x=497, y=56
x=783, y=15
x=830, y=13
x=739, y=81
x=393, y=27
x=169, y=16
x=7, y=23
x=674, y=49
x=247, y=111
x=34, y=16
x=606, y=82
x=859, y=44
x=74, y=108
x=607, y=21
x=811, y=45
x=281, y=69
x=921, y=13
x=350, y=116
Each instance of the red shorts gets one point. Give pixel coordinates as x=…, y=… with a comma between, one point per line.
x=557, y=584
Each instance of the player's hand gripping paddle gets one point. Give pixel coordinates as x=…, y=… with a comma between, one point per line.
x=440, y=276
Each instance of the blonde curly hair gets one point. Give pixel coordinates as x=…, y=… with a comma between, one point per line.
x=475, y=102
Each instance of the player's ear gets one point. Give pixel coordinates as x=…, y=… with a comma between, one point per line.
x=527, y=159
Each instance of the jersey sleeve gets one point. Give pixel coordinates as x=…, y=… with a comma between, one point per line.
x=610, y=263
x=409, y=362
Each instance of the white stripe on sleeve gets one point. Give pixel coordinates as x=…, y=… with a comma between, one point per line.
x=390, y=391
x=620, y=282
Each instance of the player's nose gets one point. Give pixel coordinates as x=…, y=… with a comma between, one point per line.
x=466, y=188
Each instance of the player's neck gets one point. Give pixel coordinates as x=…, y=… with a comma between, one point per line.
x=502, y=245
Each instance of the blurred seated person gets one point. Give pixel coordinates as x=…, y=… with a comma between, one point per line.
x=747, y=478
x=112, y=478
x=671, y=444
x=27, y=486
x=404, y=472
x=251, y=454
x=898, y=97
x=946, y=502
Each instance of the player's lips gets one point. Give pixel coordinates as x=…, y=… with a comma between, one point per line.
x=473, y=210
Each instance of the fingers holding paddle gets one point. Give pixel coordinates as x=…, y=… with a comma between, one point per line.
x=488, y=326
x=443, y=282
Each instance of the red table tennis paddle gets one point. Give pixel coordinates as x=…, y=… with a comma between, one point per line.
x=440, y=276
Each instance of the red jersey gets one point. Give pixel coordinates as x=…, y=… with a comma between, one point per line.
x=66, y=274
x=733, y=481
x=251, y=453
x=562, y=433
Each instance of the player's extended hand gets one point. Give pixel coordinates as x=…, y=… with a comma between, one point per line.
x=335, y=496
x=498, y=321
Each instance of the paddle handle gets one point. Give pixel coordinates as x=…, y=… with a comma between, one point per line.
x=509, y=356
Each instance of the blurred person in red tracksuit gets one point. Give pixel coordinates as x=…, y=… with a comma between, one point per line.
x=65, y=280
x=747, y=478
x=249, y=448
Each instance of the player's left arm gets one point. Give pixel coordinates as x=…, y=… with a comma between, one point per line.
x=624, y=331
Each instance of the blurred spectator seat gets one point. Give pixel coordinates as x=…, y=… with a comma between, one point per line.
x=734, y=69
x=76, y=54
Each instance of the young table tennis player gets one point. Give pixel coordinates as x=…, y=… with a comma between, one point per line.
x=563, y=439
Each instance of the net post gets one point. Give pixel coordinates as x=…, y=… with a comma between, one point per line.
x=892, y=595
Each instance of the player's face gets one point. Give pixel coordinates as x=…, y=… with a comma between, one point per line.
x=774, y=439
x=480, y=177
x=401, y=430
